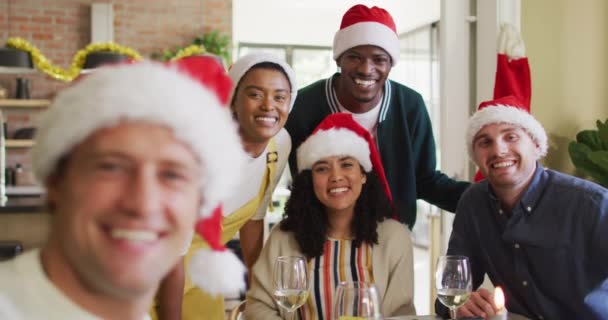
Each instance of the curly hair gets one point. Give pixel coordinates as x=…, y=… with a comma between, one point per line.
x=305, y=215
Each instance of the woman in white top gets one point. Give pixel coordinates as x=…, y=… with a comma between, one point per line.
x=265, y=90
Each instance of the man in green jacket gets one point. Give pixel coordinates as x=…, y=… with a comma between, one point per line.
x=365, y=49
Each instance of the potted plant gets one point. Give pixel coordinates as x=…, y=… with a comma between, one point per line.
x=213, y=42
x=589, y=153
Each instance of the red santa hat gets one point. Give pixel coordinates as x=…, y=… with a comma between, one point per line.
x=367, y=26
x=507, y=109
x=238, y=70
x=189, y=97
x=340, y=135
x=512, y=94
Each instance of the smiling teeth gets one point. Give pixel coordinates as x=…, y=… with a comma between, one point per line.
x=503, y=164
x=267, y=119
x=364, y=82
x=338, y=190
x=134, y=235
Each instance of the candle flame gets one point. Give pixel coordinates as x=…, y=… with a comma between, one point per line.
x=499, y=298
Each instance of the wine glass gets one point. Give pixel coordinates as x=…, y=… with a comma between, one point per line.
x=453, y=282
x=290, y=280
x=356, y=299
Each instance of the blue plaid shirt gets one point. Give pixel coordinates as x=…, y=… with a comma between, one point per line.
x=548, y=255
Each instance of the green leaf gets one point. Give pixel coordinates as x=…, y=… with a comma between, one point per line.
x=602, y=129
x=590, y=138
x=589, y=153
x=600, y=160
x=589, y=162
x=578, y=154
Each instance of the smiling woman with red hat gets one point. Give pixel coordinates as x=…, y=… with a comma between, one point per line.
x=338, y=217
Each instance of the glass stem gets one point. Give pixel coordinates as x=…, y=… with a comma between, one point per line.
x=453, y=313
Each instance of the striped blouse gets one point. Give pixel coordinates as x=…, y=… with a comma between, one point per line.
x=341, y=261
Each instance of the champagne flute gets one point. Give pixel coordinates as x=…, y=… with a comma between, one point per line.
x=453, y=282
x=290, y=280
x=356, y=300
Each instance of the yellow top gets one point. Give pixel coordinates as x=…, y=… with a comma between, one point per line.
x=196, y=303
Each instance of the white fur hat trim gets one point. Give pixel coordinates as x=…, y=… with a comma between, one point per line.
x=506, y=114
x=334, y=142
x=243, y=64
x=367, y=33
x=152, y=93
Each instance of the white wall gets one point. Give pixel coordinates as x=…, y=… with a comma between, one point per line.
x=314, y=22
x=567, y=46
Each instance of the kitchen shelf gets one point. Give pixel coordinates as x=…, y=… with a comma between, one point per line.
x=24, y=103
x=19, y=143
x=35, y=190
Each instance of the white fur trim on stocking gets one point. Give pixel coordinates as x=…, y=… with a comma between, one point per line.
x=510, y=42
x=217, y=272
x=334, y=142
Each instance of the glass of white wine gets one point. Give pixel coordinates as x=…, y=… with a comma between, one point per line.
x=453, y=281
x=356, y=300
x=290, y=280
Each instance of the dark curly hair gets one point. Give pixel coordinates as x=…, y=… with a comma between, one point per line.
x=305, y=215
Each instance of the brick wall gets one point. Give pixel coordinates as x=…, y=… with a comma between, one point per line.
x=59, y=28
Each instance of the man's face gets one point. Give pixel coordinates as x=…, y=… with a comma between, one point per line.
x=364, y=69
x=506, y=155
x=125, y=206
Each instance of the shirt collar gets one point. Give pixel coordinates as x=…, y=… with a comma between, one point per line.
x=531, y=195
x=535, y=189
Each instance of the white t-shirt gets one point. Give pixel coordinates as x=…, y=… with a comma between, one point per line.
x=252, y=175
x=368, y=120
x=27, y=294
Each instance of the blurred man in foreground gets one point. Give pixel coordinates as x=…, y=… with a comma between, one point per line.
x=129, y=157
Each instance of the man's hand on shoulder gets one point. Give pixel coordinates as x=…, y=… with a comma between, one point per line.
x=480, y=304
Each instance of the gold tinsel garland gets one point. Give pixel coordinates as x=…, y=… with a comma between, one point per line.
x=188, y=51
x=44, y=65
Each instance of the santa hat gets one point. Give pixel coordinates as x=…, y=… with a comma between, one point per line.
x=189, y=97
x=238, y=70
x=367, y=26
x=512, y=94
x=340, y=135
x=507, y=109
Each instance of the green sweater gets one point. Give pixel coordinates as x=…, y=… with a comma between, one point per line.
x=405, y=141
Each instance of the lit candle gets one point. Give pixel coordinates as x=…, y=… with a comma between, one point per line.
x=499, y=301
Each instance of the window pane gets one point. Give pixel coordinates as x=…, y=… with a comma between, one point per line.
x=311, y=65
x=279, y=52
